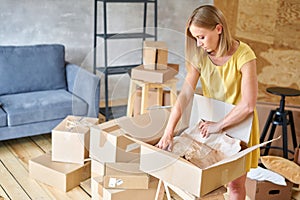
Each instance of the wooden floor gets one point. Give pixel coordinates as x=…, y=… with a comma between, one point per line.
x=15, y=182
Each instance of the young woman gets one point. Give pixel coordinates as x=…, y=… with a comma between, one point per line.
x=226, y=68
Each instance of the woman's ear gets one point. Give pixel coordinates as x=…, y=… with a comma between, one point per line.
x=219, y=28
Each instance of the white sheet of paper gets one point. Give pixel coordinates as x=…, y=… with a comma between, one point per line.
x=214, y=110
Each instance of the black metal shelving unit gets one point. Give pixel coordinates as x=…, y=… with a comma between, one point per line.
x=114, y=70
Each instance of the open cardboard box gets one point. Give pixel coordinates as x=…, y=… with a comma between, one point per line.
x=71, y=139
x=109, y=142
x=183, y=174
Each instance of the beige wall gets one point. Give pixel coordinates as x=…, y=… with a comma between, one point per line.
x=271, y=28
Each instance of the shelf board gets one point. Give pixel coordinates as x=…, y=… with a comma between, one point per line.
x=115, y=36
x=127, y=1
x=114, y=112
x=113, y=70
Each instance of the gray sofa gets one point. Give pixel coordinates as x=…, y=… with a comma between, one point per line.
x=38, y=89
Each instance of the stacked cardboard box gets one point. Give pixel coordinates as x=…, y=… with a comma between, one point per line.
x=155, y=67
x=66, y=166
x=115, y=157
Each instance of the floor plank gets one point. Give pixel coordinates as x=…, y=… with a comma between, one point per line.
x=43, y=142
x=10, y=185
x=15, y=154
x=19, y=171
x=3, y=195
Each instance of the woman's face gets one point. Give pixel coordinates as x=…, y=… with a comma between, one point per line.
x=206, y=38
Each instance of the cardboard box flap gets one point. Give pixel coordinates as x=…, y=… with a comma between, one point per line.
x=76, y=124
x=241, y=154
x=213, y=110
x=148, y=127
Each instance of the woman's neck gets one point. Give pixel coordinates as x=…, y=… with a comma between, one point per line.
x=223, y=59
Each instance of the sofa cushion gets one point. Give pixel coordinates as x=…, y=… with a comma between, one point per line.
x=3, y=117
x=40, y=106
x=32, y=68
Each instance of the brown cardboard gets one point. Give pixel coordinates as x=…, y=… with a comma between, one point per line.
x=262, y=190
x=71, y=138
x=136, y=194
x=96, y=188
x=97, y=168
x=153, y=76
x=63, y=176
x=108, y=144
x=217, y=194
x=177, y=171
x=148, y=127
x=155, y=55
x=125, y=176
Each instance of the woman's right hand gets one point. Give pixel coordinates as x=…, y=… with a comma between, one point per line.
x=165, y=142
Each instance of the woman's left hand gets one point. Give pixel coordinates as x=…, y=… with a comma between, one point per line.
x=208, y=127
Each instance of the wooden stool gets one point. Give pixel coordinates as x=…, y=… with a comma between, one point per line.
x=280, y=117
x=146, y=86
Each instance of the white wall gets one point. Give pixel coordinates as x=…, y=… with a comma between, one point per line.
x=71, y=22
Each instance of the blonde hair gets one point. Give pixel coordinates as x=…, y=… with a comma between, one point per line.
x=206, y=16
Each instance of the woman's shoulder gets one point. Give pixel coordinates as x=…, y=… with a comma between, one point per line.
x=244, y=46
x=244, y=49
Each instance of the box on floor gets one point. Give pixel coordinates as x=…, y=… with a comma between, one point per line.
x=262, y=190
x=63, y=176
x=71, y=139
x=124, y=176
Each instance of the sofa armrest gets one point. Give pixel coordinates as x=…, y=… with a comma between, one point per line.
x=84, y=85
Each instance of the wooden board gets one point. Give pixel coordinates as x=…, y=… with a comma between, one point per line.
x=15, y=181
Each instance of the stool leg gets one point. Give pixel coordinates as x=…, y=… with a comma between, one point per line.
x=270, y=138
x=284, y=135
x=131, y=98
x=159, y=100
x=267, y=125
x=145, y=92
x=291, y=120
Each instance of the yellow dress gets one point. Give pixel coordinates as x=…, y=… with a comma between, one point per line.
x=224, y=83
